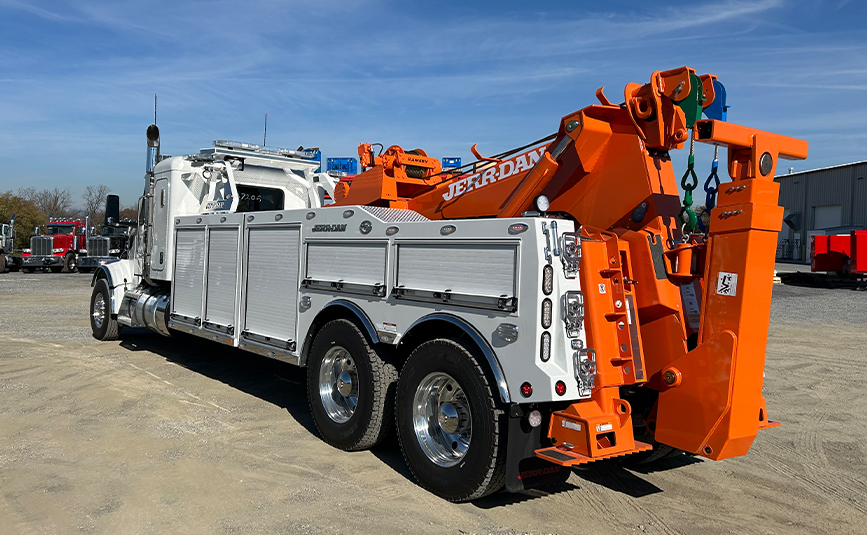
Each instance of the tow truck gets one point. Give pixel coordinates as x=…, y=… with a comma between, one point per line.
x=548, y=307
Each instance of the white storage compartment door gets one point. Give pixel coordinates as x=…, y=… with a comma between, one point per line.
x=460, y=269
x=359, y=265
x=272, y=282
x=222, y=276
x=189, y=272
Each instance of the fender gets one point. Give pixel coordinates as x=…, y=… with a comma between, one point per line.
x=120, y=276
x=480, y=341
x=359, y=313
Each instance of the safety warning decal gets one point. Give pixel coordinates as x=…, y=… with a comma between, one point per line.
x=727, y=284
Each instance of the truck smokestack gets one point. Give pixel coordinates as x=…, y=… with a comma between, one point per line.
x=153, y=135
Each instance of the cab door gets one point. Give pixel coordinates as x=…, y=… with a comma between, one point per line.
x=159, y=247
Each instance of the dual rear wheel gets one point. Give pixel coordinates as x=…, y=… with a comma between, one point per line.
x=448, y=422
x=451, y=430
x=349, y=387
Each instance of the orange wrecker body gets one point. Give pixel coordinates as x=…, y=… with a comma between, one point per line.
x=699, y=302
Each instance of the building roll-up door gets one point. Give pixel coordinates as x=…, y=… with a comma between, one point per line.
x=827, y=216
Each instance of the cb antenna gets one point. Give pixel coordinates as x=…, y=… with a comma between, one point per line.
x=155, y=108
x=265, y=137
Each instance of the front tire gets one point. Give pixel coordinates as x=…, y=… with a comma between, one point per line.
x=350, y=388
x=450, y=427
x=69, y=263
x=103, y=326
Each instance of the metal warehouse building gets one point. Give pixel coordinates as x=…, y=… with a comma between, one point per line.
x=832, y=200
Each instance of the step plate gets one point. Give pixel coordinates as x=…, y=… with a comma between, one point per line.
x=565, y=457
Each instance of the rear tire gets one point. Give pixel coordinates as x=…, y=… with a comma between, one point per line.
x=103, y=326
x=350, y=388
x=2, y=263
x=69, y=263
x=451, y=430
x=643, y=401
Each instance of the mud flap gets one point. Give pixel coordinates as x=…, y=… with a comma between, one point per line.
x=523, y=469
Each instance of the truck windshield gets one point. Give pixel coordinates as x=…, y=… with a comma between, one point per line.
x=114, y=231
x=54, y=230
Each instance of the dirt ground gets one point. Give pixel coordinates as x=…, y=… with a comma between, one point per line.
x=153, y=435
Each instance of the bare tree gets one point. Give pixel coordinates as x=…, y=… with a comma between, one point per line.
x=28, y=194
x=94, y=202
x=54, y=202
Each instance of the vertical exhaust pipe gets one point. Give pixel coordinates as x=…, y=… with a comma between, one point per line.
x=142, y=238
x=153, y=135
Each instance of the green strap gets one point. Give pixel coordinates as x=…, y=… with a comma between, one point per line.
x=692, y=105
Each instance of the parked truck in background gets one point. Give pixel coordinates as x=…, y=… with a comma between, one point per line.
x=58, y=249
x=8, y=262
x=114, y=242
x=532, y=311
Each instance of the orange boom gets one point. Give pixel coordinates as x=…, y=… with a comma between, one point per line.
x=690, y=376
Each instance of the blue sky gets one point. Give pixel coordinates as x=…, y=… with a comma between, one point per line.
x=77, y=78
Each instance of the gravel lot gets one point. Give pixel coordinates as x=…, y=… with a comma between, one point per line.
x=153, y=435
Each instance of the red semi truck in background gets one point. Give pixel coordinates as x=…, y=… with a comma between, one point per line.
x=57, y=249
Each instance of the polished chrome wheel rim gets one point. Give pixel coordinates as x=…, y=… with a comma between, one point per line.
x=338, y=384
x=98, y=312
x=442, y=419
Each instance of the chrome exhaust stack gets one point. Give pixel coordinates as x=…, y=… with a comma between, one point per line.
x=142, y=238
x=153, y=136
